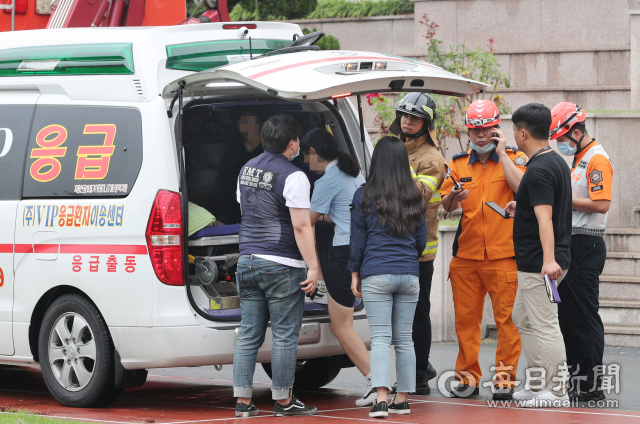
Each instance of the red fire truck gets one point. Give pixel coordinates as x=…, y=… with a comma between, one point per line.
x=39, y=14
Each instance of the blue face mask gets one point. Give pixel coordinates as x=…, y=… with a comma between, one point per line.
x=566, y=149
x=296, y=155
x=486, y=149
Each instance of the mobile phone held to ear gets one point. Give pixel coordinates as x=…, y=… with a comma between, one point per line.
x=498, y=210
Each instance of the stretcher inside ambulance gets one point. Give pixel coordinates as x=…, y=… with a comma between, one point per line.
x=223, y=110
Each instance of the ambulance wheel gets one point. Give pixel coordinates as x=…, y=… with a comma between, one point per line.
x=311, y=373
x=77, y=354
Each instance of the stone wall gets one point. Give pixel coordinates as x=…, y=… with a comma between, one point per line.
x=546, y=58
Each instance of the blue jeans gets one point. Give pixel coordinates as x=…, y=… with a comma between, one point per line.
x=268, y=290
x=390, y=301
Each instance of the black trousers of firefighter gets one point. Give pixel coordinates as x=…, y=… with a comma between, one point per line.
x=580, y=322
x=422, y=321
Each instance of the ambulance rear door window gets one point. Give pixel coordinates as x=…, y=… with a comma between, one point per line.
x=15, y=121
x=83, y=151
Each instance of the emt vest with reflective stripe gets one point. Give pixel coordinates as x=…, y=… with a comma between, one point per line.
x=585, y=222
x=266, y=227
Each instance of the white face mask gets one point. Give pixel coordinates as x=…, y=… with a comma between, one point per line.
x=296, y=155
x=566, y=149
x=485, y=149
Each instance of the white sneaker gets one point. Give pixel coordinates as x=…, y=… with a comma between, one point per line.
x=369, y=397
x=525, y=394
x=546, y=399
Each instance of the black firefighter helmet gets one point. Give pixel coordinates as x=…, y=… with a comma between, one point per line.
x=421, y=105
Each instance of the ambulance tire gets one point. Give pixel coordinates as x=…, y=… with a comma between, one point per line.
x=312, y=373
x=73, y=323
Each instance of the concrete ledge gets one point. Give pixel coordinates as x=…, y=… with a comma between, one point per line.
x=597, y=116
x=339, y=20
x=565, y=50
x=575, y=88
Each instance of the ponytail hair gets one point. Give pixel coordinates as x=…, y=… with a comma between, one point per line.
x=326, y=146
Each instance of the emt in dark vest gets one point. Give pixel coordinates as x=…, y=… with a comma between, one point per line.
x=276, y=241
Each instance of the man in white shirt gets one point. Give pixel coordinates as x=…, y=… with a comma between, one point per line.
x=276, y=242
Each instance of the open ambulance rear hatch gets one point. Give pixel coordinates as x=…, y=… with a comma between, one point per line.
x=293, y=82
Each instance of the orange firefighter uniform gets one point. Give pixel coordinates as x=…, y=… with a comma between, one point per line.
x=484, y=263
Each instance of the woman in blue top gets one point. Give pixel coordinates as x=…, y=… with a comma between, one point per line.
x=332, y=195
x=388, y=233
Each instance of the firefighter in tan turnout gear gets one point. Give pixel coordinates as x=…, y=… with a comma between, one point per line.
x=415, y=125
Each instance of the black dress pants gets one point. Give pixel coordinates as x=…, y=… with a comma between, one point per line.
x=422, y=322
x=580, y=323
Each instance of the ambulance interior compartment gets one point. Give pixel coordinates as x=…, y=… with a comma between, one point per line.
x=219, y=136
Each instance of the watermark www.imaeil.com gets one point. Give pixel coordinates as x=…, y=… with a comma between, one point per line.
x=542, y=403
x=606, y=380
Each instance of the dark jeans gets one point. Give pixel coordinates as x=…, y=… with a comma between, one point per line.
x=422, y=322
x=580, y=323
x=268, y=291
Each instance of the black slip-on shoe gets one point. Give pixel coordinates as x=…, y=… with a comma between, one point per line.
x=379, y=410
x=502, y=393
x=243, y=410
x=464, y=391
x=401, y=408
x=293, y=408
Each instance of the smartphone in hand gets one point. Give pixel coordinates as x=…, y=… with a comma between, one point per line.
x=498, y=210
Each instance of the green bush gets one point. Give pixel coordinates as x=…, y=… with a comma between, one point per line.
x=328, y=42
x=347, y=9
x=272, y=10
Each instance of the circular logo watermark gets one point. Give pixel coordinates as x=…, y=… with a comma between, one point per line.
x=450, y=380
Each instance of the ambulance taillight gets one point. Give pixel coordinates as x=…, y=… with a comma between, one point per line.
x=164, y=238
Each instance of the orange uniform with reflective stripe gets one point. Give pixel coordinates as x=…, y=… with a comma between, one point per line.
x=483, y=263
x=480, y=227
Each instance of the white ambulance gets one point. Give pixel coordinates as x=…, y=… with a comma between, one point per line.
x=101, y=277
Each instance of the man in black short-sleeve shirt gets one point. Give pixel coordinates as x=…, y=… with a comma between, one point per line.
x=541, y=237
x=547, y=181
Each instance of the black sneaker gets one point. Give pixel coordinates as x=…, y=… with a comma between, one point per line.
x=464, y=391
x=422, y=387
x=401, y=408
x=502, y=393
x=587, y=396
x=379, y=410
x=293, y=408
x=243, y=410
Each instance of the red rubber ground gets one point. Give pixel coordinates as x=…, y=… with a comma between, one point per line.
x=181, y=400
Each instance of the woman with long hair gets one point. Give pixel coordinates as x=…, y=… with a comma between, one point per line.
x=388, y=234
x=332, y=195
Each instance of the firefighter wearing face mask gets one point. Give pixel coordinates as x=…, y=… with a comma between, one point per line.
x=415, y=125
x=591, y=182
x=483, y=249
